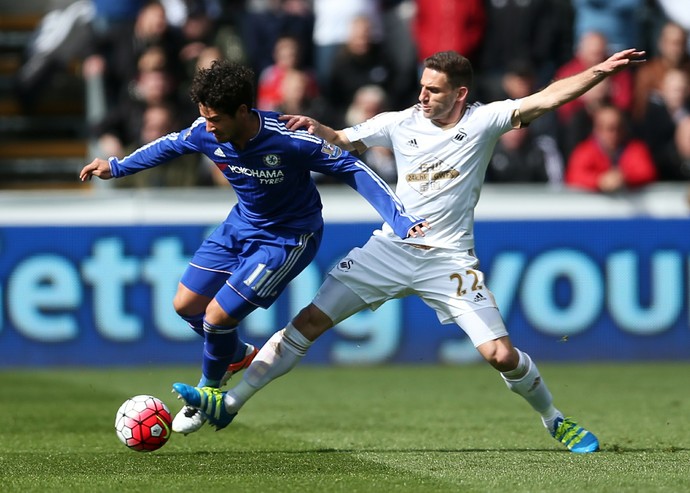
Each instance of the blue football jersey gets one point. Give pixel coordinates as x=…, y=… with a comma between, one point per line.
x=271, y=175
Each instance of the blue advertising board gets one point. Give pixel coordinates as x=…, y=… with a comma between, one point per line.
x=585, y=290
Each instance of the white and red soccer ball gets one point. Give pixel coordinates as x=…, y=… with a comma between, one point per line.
x=143, y=423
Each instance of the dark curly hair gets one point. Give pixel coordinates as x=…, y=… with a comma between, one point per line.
x=224, y=87
x=457, y=68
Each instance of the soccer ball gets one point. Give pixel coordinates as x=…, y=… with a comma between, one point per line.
x=143, y=423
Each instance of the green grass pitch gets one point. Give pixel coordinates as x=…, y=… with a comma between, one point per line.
x=373, y=429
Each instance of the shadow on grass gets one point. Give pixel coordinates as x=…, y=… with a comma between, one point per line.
x=611, y=449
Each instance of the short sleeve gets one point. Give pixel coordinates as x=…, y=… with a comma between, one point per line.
x=376, y=131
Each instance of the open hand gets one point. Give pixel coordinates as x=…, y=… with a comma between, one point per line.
x=295, y=122
x=619, y=61
x=97, y=167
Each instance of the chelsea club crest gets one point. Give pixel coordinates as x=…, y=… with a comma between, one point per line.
x=271, y=160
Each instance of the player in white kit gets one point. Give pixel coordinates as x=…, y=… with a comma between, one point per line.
x=442, y=147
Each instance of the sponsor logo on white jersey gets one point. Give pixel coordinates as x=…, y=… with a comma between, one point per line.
x=413, y=143
x=431, y=177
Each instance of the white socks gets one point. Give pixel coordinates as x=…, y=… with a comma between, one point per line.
x=526, y=381
x=285, y=349
x=278, y=356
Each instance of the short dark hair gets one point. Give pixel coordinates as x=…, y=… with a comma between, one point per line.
x=457, y=68
x=224, y=87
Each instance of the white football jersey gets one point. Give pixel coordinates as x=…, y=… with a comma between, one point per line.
x=440, y=172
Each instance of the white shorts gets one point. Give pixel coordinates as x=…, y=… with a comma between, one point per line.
x=448, y=281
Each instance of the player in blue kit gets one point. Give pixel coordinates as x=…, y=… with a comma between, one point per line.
x=274, y=230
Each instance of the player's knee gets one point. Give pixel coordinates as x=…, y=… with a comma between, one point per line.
x=187, y=303
x=506, y=359
x=312, y=322
x=501, y=356
x=181, y=308
x=217, y=316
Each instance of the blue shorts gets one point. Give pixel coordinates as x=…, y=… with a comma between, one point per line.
x=244, y=267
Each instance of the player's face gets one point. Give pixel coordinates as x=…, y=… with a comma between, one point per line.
x=223, y=126
x=440, y=101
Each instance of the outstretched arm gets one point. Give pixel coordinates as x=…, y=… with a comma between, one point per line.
x=564, y=90
x=337, y=137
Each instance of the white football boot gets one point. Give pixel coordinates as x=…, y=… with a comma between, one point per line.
x=188, y=420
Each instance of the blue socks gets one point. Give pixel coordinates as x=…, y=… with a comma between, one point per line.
x=195, y=322
x=220, y=348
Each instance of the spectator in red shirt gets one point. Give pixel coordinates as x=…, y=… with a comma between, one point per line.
x=592, y=50
x=608, y=161
x=286, y=58
x=441, y=25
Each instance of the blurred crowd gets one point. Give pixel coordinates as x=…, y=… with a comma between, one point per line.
x=343, y=61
